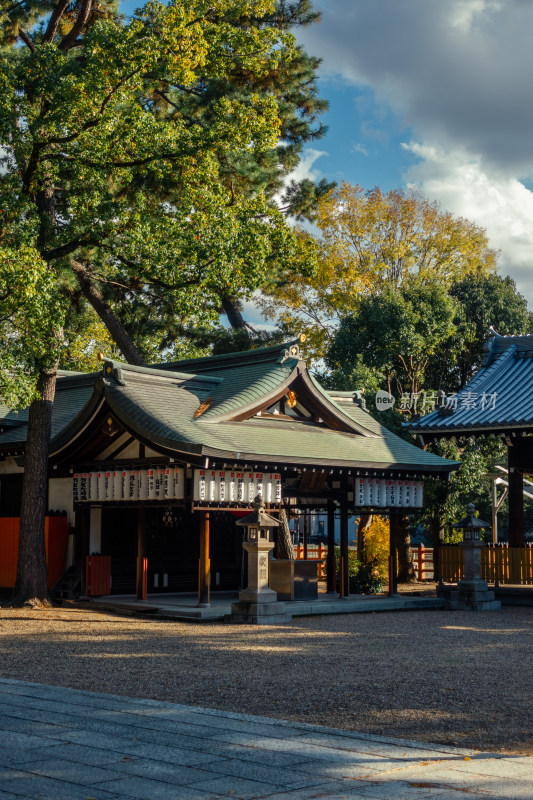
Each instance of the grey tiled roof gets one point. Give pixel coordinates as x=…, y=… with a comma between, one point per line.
x=499, y=396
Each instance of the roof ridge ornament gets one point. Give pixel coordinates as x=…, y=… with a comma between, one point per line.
x=293, y=351
x=111, y=370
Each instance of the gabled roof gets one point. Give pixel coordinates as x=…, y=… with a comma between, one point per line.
x=210, y=408
x=73, y=391
x=498, y=398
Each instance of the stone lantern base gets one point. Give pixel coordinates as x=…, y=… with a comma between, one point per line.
x=258, y=608
x=470, y=595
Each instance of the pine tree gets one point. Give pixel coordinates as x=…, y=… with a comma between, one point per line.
x=120, y=163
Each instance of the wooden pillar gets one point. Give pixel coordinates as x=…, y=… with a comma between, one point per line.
x=142, y=563
x=331, y=567
x=83, y=525
x=306, y=522
x=345, y=585
x=516, y=501
x=394, y=519
x=204, y=565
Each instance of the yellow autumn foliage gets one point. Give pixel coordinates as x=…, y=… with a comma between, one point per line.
x=377, y=539
x=369, y=240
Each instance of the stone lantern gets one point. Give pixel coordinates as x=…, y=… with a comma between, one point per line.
x=258, y=604
x=472, y=592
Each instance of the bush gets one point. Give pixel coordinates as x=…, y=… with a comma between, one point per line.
x=363, y=578
x=366, y=580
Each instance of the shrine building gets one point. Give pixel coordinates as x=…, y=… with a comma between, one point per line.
x=498, y=401
x=152, y=466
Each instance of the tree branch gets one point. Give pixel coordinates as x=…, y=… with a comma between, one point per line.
x=163, y=284
x=91, y=123
x=55, y=19
x=26, y=38
x=67, y=248
x=110, y=320
x=139, y=162
x=78, y=27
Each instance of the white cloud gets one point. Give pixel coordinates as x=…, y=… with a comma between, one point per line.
x=495, y=200
x=306, y=167
x=458, y=73
x=357, y=147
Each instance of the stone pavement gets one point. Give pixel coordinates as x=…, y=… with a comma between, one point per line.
x=184, y=606
x=64, y=744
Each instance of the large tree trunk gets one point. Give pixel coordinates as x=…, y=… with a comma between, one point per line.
x=113, y=324
x=284, y=548
x=32, y=582
x=233, y=313
x=406, y=570
x=363, y=526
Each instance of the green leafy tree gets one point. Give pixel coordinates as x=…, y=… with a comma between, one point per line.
x=482, y=302
x=395, y=335
x=406, y=342
x=117, y=142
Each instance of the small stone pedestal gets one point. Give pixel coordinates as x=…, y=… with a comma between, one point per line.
x=471, y=593
x=258, y=605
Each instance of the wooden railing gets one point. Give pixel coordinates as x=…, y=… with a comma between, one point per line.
x=499, y=564
x=314, y=552
x=423, y=563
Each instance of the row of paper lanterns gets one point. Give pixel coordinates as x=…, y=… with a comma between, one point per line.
x=385, y=493
x=226, y=486
x=157, y=483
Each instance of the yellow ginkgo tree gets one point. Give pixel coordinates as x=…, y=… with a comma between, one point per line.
x=369, y=242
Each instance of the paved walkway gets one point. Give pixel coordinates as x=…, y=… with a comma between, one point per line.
x=63, y=744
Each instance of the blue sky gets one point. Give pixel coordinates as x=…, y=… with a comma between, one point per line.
x=364, y=140
x=436, y=94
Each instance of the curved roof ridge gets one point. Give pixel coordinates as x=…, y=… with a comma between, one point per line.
x=499, y=343
x=222, y=360
x=111, y=366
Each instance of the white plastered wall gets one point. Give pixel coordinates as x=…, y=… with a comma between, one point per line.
x=60, y=497
x=9, y=467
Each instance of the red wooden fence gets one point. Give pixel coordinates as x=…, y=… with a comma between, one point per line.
x=315, y=552
x=423, y=563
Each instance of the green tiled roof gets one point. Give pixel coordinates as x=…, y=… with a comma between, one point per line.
x=160, y=405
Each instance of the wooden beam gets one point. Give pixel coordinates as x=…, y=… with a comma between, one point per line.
x=330, y=563
x=516, y=501
x=394, y=520
x=142, y=562
x=205, y=562
x=345, y=581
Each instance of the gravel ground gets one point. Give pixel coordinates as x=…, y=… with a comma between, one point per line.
x=439, y=676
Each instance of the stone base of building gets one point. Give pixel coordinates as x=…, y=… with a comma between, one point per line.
x=469, y=596
x=257, y=611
